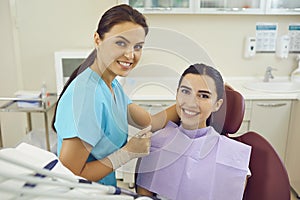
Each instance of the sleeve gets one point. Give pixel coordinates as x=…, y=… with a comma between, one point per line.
x=77, y=115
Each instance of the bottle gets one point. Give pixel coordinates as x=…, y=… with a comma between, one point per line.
x=295, y=75
x=44, y=91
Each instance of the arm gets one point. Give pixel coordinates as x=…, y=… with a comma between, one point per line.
x=160, y=119
x=138, y=116
x=73, y=155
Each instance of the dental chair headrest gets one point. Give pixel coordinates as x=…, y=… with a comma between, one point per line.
x=228, y=119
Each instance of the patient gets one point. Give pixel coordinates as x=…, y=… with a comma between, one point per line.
x=192, y=161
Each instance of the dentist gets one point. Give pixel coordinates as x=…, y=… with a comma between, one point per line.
x=93, y=112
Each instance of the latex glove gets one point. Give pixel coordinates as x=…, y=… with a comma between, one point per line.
x=137, y=146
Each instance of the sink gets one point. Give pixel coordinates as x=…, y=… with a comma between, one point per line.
x=274, y=87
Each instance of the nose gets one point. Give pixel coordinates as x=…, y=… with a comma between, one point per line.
x=129, y=54
x=191, y=100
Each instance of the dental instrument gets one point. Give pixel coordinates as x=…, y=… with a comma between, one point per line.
x=44, y=178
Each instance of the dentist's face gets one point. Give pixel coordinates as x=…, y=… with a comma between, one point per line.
x=196, y=99
x=121, y=48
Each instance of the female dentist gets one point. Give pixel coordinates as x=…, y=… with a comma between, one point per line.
x=93, y=112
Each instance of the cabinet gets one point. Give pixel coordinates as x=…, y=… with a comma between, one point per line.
x=291, y=7
x=162, y=6
x=230, y=6
x=285, y=7
x=269, y=118
x=293, y=148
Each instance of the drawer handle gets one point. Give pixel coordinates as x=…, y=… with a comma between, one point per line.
x=153, y=105
x=271, y=104
x=157, y=9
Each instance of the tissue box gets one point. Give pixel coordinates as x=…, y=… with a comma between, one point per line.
x=25, y=94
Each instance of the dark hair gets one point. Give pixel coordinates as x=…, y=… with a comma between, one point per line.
x=115, y=15
x=202, y=69
x=119, y=14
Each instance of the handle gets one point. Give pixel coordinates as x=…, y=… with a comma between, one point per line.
x=158, y=9
x=292, y=9
x=271, y=105
x=269, y=69
x=231, y=9
x=153, y=105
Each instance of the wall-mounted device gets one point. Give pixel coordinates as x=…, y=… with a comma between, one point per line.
x=282, y=46
x=65, y=63
x=250, y=47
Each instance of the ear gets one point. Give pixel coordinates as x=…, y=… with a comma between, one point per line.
x=97, y=39
x=218, y=104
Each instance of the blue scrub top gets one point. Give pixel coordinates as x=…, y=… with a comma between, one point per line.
x=88, y=110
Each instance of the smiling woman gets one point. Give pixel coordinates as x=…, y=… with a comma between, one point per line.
x=93, y=112
x=192, y=160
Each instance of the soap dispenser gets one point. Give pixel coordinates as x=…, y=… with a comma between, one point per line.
x=295, y=75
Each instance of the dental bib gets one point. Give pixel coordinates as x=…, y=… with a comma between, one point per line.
x=194, y=164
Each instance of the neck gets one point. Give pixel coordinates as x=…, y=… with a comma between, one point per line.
x=104, y=73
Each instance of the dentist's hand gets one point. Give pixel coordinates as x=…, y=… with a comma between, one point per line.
x=137, y=146
x=140, y=143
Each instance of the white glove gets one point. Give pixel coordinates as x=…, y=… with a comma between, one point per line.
x=137, y=146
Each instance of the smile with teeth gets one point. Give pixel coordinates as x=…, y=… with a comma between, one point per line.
x=124, y=64
x=188, y=112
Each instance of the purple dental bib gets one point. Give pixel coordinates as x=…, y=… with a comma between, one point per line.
x=194, y=165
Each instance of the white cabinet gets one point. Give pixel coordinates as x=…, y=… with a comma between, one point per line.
x=287, y=7
x=269, y=118
x=283, y=7
x=293, y=148
x=231, y=6
x=162, y=6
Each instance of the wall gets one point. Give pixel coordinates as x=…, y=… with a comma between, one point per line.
x=31, y=31
x=10, y=76
x=35, y=29
x=223, y=38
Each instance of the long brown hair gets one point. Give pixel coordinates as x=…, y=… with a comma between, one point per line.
x=115, y=15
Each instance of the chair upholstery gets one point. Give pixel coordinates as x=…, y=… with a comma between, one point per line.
x=229, y=117
x=269, y=179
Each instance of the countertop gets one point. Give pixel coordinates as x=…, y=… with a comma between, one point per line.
x=238, y=83
x=166, y=91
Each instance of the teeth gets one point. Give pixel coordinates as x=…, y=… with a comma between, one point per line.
x=189, y=112
x=125, y=64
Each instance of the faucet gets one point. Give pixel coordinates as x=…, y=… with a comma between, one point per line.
x=268, y=74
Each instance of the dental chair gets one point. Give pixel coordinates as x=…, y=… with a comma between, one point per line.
x=269, y=179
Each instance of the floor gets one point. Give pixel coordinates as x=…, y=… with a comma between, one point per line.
x=126, y=186
x=293, y=196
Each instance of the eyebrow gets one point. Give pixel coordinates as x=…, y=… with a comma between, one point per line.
x=120, y=36
x=199, y=91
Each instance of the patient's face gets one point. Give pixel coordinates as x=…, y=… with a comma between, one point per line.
x=196, y=99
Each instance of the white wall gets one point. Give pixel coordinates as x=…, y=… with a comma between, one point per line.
x=10, y=76
x=41, y=27
x=223, y=38
x=31, y=31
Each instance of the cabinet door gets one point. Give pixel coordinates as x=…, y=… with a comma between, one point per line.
x=289, y=7
x=161, y=6
x=231, y=6
x=293, y=148
x=271, y=120
x=246, y=120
